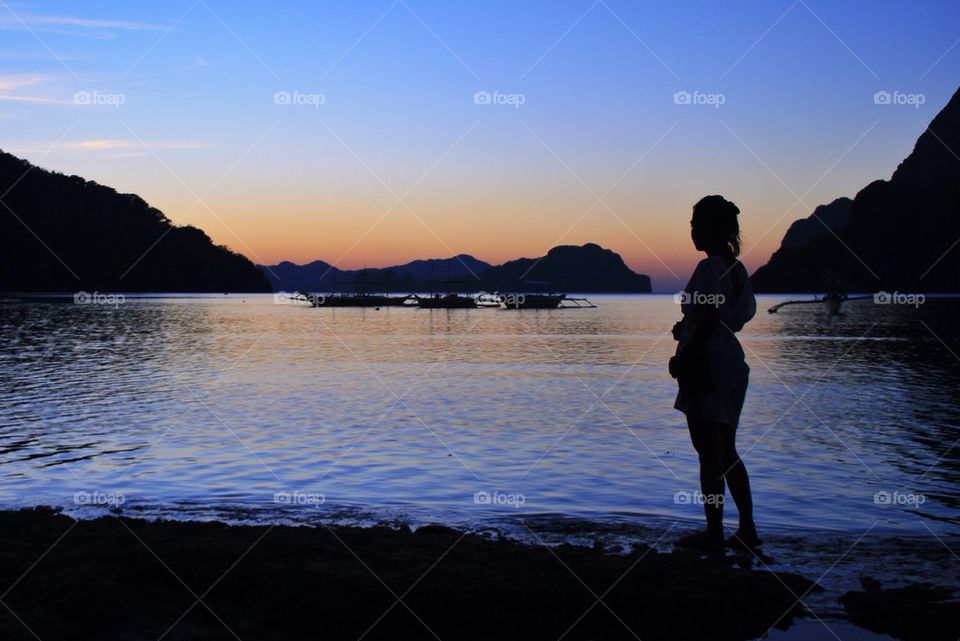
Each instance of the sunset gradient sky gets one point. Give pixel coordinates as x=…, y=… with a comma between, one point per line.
x=383, y=155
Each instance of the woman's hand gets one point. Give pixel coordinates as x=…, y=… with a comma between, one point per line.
x=674, y=366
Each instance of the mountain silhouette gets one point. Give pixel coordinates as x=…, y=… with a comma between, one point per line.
x=824, y=218
x=899, y=235
x=459, y=273
x=567, y=268
x=64, y=233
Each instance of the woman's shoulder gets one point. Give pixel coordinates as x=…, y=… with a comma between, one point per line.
x=706, y=265
x=716, y=266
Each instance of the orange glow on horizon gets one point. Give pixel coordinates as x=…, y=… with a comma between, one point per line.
x=351, y=224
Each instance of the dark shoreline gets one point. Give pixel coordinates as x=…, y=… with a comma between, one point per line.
x=120, y=578
x=114, y=578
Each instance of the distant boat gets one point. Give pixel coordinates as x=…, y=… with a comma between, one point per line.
x=353, y=300
x=531, y=301
x=546, y=299
x=831, y=303
x=367, y=292
x=446, y=301
x=485, y=299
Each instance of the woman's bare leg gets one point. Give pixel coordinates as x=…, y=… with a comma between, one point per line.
x=735, y=473
x=708, y=442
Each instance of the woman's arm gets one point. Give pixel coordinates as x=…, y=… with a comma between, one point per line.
x=707, y=320
x=704, y=317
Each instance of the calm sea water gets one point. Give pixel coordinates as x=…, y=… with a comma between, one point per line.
x=547, y=425
x=195, y=406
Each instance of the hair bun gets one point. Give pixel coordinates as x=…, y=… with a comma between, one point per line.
x=716, y=217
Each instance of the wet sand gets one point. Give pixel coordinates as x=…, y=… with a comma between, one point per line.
x=119, y=578
x=114, y=578
x=915, y=612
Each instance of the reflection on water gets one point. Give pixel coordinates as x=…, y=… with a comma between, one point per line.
x=279, y=411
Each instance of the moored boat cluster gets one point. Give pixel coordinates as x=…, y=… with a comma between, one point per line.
x=446, y=301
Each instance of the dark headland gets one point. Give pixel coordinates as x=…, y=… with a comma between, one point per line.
x=895, y=235
x=67, y=234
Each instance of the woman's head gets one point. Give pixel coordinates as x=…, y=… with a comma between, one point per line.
x=714, y=227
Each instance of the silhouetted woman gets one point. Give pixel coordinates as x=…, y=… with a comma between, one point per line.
x=711, y=370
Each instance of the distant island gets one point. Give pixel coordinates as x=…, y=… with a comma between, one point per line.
x=901, y=234
x=63, y=233
x=456, y=273
x=566, y=268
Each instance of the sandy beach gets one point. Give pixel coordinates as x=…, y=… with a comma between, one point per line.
x=114, y=578
x=120, y=578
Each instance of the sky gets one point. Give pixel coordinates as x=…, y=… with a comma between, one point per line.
x=368, y=133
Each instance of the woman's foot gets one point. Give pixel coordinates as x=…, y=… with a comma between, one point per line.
x=745, y=539
x=705, y=541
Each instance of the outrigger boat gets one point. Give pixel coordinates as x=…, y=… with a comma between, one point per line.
x=363, y=297
x=352, y=300
x=531, y=301
x=835, y=295
x=446, y=301
x=450, y=300
x=543, y=301
x=831, y=303
x=485, y=299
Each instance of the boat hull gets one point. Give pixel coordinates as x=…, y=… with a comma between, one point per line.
x=532, y=301
x=357, y=301
x=447, y=302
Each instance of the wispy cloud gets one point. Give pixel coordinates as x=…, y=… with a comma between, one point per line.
x=12, y=88
x=12, y=82
x=13, y=54
x=105, y=147
x=35, y=100
x=133, y=144
x=19, y=21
